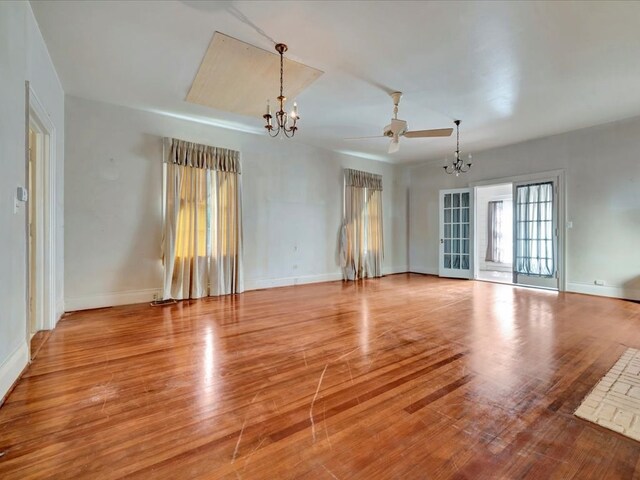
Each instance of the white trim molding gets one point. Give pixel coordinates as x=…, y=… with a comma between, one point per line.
x=12, y=367
x=604, y=290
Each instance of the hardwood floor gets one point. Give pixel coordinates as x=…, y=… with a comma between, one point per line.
x=404, y=377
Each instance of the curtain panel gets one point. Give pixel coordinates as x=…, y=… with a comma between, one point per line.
x=189, y=154
x=202, y=245
x=495, y=232
x=361, y=238
x=360, y=179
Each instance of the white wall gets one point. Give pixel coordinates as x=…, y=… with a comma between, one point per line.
x=23, y=56
x=292, y=204
x=602, y=169
x=484, y=195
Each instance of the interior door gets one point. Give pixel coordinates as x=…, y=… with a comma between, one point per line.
x=455, y=233
x=535, y=233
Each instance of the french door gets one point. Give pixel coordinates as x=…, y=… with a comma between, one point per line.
x=535, y=233
x=455, y=233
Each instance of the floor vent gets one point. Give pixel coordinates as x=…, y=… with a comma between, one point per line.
x=162, y=303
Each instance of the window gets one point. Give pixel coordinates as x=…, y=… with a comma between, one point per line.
x=203, y=221
x=361, y=240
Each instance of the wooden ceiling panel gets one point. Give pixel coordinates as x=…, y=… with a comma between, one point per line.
x=237, y=77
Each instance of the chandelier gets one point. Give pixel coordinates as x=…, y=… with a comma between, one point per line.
x=458, y=166
x=285, y=122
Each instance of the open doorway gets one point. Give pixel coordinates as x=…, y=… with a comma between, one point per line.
x=32, y=220
x=494, y=233
x=40, y=219
x=35, y=233
x=516, y=235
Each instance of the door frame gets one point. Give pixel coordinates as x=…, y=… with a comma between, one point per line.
x=559, y=176
x=39, y=120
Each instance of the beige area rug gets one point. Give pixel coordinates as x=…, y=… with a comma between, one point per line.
x=614, y=403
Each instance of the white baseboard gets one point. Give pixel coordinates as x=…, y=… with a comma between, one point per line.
x=256, y=284
x=603, y=290
x=394, y=270
x=496, y=267
x=111, y=299
x=260, y=283
x=423, y=270
x=142, y=296
x=59, y=311
x=12, y=367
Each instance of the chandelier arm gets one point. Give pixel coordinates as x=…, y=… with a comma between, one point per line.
x=274, y=132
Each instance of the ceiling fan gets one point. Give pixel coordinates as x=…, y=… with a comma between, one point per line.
x=398, y=128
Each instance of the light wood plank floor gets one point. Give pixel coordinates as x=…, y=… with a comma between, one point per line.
x=404, y=377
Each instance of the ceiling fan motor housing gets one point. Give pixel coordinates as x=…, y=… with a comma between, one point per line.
x=395, y=129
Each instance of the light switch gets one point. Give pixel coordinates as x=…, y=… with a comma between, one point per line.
x=22, y=194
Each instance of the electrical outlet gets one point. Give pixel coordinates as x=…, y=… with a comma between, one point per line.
x=600, y=283
x=155, y=297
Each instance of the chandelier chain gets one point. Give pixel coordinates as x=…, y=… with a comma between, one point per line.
x=281, y=74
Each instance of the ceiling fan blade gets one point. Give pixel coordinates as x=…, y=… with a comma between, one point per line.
x=394, y=145
x=438, y=132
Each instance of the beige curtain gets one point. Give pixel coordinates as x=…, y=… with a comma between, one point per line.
x=362, y=246
x=203, y=221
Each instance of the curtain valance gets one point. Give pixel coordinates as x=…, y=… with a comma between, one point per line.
x=358, y=178
x=197, y=155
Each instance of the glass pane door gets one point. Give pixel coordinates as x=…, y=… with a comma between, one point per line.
x=535, y=234
x=455, y=233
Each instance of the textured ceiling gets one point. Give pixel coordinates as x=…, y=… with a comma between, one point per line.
x=237, y=77
x=510, y=70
